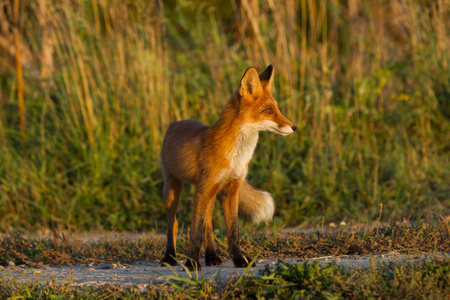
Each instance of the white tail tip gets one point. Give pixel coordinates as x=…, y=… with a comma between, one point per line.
x=265, y=211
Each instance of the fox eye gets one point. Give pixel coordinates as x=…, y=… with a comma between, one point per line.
x=269, y=111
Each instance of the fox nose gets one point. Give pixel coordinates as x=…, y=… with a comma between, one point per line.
x=294, y=128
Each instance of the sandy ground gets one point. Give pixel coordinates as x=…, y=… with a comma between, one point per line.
x=142, y=274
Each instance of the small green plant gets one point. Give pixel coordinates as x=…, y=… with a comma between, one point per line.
x=192, y=285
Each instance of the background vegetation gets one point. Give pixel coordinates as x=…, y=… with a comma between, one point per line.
x=88, y=88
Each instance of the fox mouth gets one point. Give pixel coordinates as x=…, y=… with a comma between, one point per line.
x=274, y=127
x=282, y=132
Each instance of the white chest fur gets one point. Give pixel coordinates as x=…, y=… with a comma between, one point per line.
x=241, y=154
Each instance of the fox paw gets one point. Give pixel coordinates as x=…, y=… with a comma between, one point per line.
x=242, y=262
x=213, y=260
x=168, y=260
x=192, y=265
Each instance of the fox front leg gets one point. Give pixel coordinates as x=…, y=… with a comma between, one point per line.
x=230, y=201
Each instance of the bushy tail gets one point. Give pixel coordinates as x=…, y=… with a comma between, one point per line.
x=255, y=205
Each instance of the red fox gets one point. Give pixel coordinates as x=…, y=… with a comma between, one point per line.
x=215, y=159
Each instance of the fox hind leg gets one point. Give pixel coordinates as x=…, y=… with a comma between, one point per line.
x=171, y=194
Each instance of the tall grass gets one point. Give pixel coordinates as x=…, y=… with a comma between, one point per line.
x=366, y=82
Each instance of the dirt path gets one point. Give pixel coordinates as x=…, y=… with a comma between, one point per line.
x=142, y=274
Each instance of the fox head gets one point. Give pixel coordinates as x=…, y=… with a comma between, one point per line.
x=257, y=105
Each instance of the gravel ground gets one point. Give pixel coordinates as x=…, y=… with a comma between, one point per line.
x=142, y=274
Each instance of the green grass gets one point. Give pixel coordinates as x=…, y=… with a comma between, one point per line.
x=367, y=85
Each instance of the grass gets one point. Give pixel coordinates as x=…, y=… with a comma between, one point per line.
x=367, y=83
x=312, y=281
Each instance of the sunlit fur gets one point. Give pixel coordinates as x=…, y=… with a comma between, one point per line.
x=215, y=159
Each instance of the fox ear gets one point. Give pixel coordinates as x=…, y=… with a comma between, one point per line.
x=266, y=77
x=250, y=83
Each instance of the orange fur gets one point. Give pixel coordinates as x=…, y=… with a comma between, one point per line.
x=215, y=159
